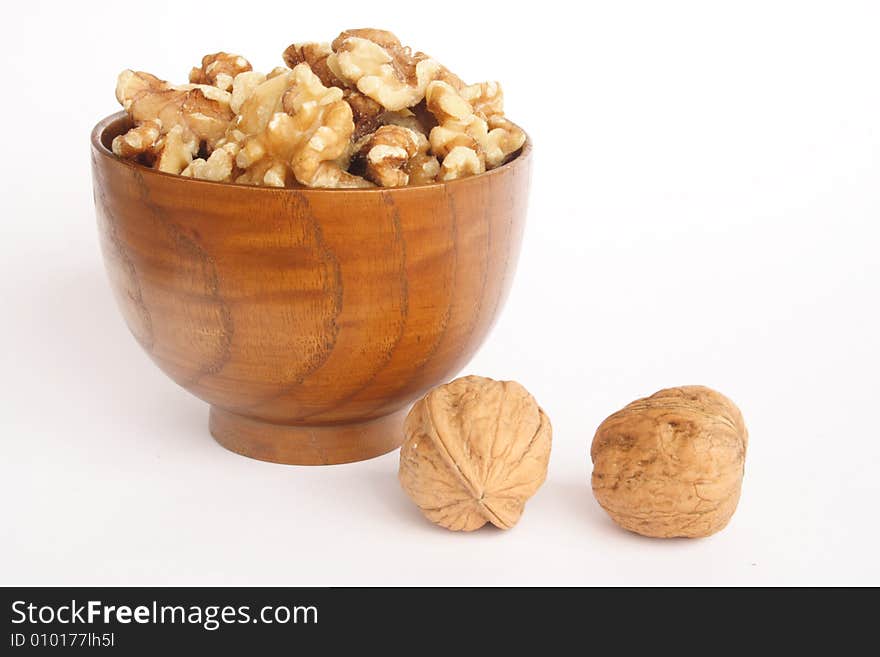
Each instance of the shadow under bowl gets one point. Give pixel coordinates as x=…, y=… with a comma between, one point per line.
x=309, y=319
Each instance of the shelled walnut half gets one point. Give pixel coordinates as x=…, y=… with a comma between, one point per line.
x=219, y=69
x=394, y=154
x=468, y=140
x=171, y=123
x=380, y=67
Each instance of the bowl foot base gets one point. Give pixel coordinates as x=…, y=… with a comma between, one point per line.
x=307, y=445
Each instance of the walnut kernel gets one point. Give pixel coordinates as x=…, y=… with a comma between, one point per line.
x=393, y=152
x=219, y=70
x=382, y=69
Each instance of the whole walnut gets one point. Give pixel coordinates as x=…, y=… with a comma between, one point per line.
x=475, y=451
x=671, y=465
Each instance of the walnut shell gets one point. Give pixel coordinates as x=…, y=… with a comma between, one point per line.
x=671, y=465
x=475, y=451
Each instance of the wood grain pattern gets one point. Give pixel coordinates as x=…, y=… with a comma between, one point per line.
x=318, y=315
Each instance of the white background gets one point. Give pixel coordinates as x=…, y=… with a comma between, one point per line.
x=705, y=209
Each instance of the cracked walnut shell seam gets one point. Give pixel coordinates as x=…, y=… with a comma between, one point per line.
x=475, y=451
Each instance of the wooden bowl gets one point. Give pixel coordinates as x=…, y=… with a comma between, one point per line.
x=308, y=319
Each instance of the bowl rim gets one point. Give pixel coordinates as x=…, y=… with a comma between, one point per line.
x=519, y=160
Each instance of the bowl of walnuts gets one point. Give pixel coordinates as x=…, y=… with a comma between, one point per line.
x=311, y=249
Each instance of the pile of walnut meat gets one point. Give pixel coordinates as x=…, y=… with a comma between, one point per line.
x=362, y=111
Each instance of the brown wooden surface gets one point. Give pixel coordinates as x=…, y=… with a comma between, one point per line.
x=310, y=445
x=307, y=308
